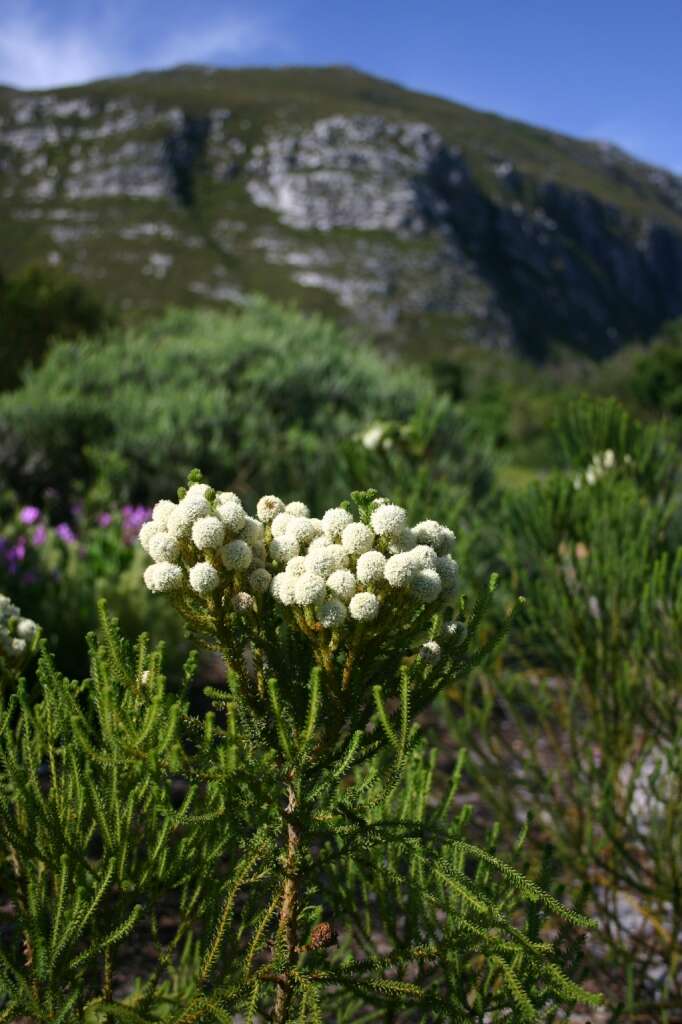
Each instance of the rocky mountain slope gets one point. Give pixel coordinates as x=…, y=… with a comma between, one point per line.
x=423, y=220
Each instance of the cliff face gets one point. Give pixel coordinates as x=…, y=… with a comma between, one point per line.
x=423, y=220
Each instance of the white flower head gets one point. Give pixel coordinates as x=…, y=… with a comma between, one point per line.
x=26, y=628
x=400, y=569
x=297, y=509
x=208, y=533
x=236, y=555
x=454, y=630
x=203, y=578
x=163, y=547
x=370, y=567
x=423, y=556
x=268, y=507
x=228, y=497
x=163, y=577
x=609, y=458
x=282, y=588
x=426, y=585
x=297, y=565
x=252, y=531
x=259, y=581
x=161, y=511
x=389, y=520
x=231, y=514
x=281, y=523
x=335, y=521
x=430, y=652
x=182, y=518
x=18, y=646
x=242, y=602
x=357, y=538
x=448, y=570
x=364, y=607
x=331, y=613
x=302, y=530
x=197, y=490
x=322, y=560
x=147, y=531
x=405, y=541
x=342, y=584
x=309, y=589
x=283, y=549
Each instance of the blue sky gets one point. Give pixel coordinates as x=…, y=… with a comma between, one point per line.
x=600, y=69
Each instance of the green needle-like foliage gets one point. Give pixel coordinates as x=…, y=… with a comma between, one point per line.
x=291, y=855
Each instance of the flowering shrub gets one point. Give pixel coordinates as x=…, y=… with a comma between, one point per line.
x=297, y=842
x=18, y=641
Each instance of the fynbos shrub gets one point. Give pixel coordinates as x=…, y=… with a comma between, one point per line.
x=291, y=855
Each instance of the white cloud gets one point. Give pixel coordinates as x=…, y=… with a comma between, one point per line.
x=35, y=55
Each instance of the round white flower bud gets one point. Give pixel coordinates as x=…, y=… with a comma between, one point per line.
x=227, y=497
x=163, y=548
x=147, y=531
x=357, y=538
x=405, y=541
x=302, y=530
x=203, y=578
x=448, y=570
x=298, y=509
x=296, y=566
x=283, y=549
x=430, y=652
x=236, y=555
x=370, y=567
x=181, y=519
x=423, y=557
x=18, y=646
x=427, y=532
x=243, y=602
x=309, y=589
x=252, y=531
x=208, y=533
x=259, y=581
x=399, y=569
x=342, y=584
x=364, y=606
x=161, y=511
x=163, y=577
x=26, y=628
x=389, y=520
x=231, y=514
x=197, y=491
x=322, y=560
x=454, y=630
x=331, y=613
x=268, y=507
x=282, y=588
x=335, y=521
x=426, y=585
x=281, y=523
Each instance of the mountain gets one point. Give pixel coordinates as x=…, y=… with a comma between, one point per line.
x=423, y=220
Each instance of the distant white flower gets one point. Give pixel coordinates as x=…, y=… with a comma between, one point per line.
x=268, y=507
x=364, y=606
x=236, y=555
x=259, y=581
x=283, y=549
x=370, y=567
x=161, y=511
x=163, y=548
x=357, y=538
x=609, y=458
x=232, y=515
x=309, y=589
x=591, y=476
x=389, y=520
x=342, y=584
x=208, y=533
x=335, y=521
x=426, y=585
x=243, y=602
x=331, y=613
x=163, y=577
x=298, y=509
x=373, y=436
x=400, y=569
x=454, y=630
x=430, y=652
x=282, y=588
x=203, y=578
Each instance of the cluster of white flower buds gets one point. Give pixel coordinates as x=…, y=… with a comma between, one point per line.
x=601, y=463
x=335, y=568
x=16, y=631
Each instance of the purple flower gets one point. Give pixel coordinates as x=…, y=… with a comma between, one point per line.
x=29, y=514
x=104, y=519
x=39, y=535
x=133, y=517
x=65, y=533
